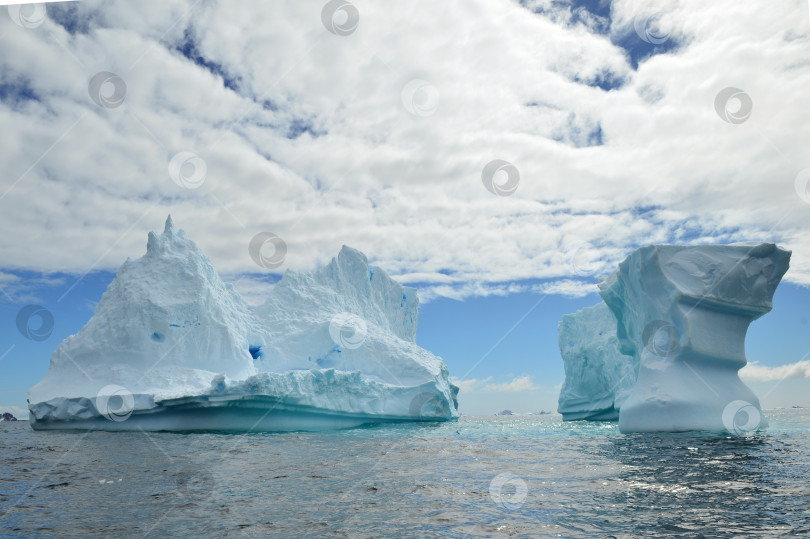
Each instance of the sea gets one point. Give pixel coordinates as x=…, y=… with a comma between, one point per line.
x=496, y=476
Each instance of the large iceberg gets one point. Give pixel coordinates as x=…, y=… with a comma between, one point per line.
x=683, y=312
x=598, y=377
x=172, y=347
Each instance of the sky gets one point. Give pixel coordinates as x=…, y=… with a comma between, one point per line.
x=499, y=156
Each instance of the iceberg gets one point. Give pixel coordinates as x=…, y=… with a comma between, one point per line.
x=172, y=347
x=682, y=312
x=598, y=377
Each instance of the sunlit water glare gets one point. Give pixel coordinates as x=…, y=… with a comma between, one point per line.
x=481, y=476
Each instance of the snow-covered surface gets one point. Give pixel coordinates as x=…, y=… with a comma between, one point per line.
x=598, y=377
x=351, y=302
x=172, y=347
x=683, y=312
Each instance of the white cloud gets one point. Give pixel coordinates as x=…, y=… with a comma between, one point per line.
x=517, y=385
x=486, y=385
x=468, y=386
x=462, y=291
x=753, y=372
x=565, y=287
x=82, y=184
x=14, y=288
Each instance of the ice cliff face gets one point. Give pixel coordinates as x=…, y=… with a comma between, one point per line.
x=347, y=316
x=683, y=312
x=598, y=377
x=165, y=321
x=172, y=347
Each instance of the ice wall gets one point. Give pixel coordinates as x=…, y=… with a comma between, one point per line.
x=598, y=377
x=358, y=304
x=683, y=312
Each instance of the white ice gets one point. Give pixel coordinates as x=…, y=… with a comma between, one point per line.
x=172, y=347
x=598, y=377
x=683, y=312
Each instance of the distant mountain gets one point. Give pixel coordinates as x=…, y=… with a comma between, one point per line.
x=7, y=417
x=505, y=412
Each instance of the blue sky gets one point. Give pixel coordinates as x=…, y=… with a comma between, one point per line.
x=379, y=137
x=488, y=342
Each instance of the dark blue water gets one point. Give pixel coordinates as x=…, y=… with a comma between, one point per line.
x=528, y=476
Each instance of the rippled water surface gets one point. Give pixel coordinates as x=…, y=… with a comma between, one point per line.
x=481, y=476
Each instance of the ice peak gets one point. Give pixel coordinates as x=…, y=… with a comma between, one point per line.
x=171, y=240
x=169, y=227
x=350, y=265
x=349, y=255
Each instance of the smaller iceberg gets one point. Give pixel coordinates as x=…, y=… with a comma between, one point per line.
x=598, y=377
x=171, y=347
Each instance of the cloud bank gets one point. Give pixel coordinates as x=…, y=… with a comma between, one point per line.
x=378, y=132
x=761, y=373
x=516, y=385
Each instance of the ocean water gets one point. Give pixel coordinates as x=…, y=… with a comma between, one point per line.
x=526, y=476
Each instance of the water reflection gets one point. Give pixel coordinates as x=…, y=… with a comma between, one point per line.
x=556, y=479
x=702, y=483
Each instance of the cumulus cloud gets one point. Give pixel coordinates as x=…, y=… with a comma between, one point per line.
x=486, y=385
x=460, y=291
x=753, y=372
x=313, y=136
x=16, y=289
